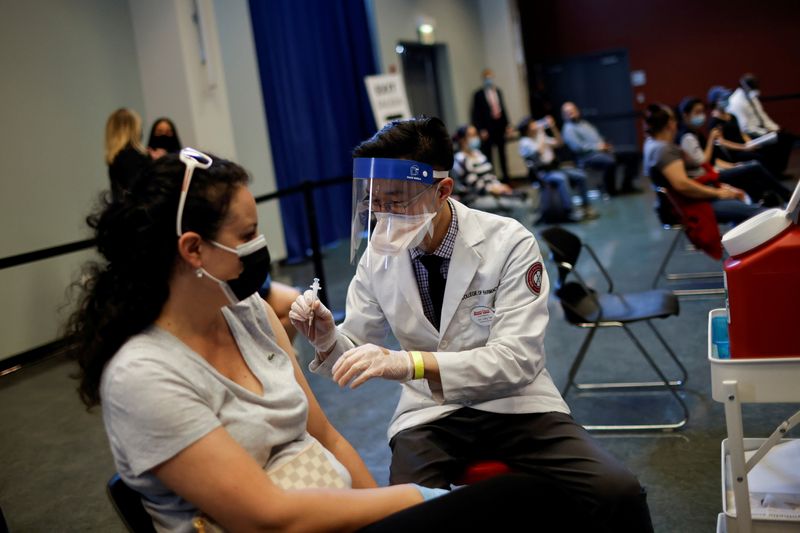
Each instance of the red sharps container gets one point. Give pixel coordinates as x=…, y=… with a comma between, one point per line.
x=762, y=277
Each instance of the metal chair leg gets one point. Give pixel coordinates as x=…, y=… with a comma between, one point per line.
x=682, y=276
x=573, y=370
x=662, y=267
x=684, y=373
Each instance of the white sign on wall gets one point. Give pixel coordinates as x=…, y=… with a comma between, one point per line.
x=387, y=96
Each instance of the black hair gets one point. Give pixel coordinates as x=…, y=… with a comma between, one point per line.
x=424, y=139
x=522, y=126
x=135, y=235
x=461, y=133
x=686, y=105
x=749, y=81
x=656, y=117
x=177, y=142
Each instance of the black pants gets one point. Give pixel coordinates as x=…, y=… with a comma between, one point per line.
x=549, y=447
x=757, y=182
x=608, y=164
x=498, y=139
x=776, y=156
x=505, y=503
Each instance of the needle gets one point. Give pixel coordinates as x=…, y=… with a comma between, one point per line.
x=315, y=290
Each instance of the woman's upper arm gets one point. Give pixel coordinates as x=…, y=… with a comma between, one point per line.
x=675, y=172
x=219, y=477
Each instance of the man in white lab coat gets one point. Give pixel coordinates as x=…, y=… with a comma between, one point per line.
x=465, y=294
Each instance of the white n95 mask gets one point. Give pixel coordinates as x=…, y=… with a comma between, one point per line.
x=395, y=233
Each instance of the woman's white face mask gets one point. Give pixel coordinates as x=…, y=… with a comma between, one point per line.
x=395, y=233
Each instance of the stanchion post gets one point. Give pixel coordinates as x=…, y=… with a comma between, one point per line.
x=313, y=233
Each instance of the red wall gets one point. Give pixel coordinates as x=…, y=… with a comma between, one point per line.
x=684, y=46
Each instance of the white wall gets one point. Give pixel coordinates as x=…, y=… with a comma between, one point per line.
x=478, y=34
x=64, y=70
x=457, y=24
x=66, y=66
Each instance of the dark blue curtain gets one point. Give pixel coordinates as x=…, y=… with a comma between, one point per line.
x=312, y=57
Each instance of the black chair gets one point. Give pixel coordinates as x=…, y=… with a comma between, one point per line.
x=128, y=505
x=670, y=217
x=586, y=308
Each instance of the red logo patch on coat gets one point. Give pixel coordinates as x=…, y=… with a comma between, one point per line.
x=533, y=278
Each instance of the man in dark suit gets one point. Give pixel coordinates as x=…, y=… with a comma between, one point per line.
x=489, y=117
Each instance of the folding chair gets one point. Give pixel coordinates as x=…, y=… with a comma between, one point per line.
x=670, y=217
x=128, y=505
x=586, y=308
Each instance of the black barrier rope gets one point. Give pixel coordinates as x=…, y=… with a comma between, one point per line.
x=306, y=188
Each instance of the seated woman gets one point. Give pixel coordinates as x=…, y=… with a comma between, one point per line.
x=537, y=149
x=207, y=412
x=472, y=168
x=663, y=162
x=751, y=176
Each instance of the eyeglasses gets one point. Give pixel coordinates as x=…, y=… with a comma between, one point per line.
x=192, y=159
x=392, y=206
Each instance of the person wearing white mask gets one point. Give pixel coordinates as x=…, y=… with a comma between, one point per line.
x=465, y=294
x=745, y=104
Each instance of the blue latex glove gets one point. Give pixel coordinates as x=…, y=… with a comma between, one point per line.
x=429, y=493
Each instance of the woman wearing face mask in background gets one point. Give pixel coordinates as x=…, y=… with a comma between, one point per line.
x=699, y=153
x=163, y=138
x=471, y=166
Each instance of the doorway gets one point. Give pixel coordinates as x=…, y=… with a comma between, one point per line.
x=426, y=72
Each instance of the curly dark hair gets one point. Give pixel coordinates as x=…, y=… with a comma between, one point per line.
x=135, y=235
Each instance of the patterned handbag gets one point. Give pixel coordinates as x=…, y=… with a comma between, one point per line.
x=309, y=469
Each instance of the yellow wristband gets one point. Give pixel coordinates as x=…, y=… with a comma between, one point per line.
x=419, y=365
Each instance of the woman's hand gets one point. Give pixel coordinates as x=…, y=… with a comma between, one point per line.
x=726, y=192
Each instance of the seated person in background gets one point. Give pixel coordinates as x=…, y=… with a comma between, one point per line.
x=698, y=151
x=537, y=149
x=280, y=297
x=125, y=156
x=663, y=162
x=472, y=167
x=163, y=138
x=731, y=146
x=592, y=151
x=205, y=406
x=746, y=106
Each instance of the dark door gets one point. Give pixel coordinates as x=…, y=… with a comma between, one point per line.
x=426, y=75
x=600, y=85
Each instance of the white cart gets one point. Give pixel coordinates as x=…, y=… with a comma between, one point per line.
x=738, y=381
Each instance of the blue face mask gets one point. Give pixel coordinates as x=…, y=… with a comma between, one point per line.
x=697, y=120
x=474, y=143
x=488, y=82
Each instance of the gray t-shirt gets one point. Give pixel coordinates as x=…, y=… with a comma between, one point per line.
x=657, y=155
x=159, y=396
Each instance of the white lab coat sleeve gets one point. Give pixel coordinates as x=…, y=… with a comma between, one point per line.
x=364, y=322
x=514, y=353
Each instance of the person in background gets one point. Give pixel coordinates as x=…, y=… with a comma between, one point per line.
x=732, y=145
x=537, y=148
x=745, y=105
x=473, y=168
x=664, y=163
x=125, y=156
x=465, y=294
x=163, y=138
x=490, y=118
x=208, y=414
x=593, y=151
x=699, y=152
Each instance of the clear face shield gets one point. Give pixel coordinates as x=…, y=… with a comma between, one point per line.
x=394, y=203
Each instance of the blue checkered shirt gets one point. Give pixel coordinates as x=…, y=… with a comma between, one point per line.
x=445, y=250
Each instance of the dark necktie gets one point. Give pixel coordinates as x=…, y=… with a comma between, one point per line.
x=433, y=264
